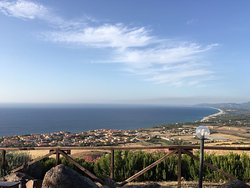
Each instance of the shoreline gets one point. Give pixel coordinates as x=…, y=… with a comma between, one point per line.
x=207, y=118
x=42, y=121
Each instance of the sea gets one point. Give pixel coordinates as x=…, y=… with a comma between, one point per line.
x=45, y=119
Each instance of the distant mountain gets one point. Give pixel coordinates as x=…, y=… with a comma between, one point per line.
x=228, y=105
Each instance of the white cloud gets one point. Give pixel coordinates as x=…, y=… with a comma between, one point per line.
x=103, y=36
x=178, y=52
x=154, y=59
x=180, y=64
x=181, y=77
x=23, y=9
x=28, y=10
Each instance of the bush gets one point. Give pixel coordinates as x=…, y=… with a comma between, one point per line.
x=127, y=163
x=14, y=160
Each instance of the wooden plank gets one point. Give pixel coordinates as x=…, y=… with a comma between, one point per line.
x=80, y=167
x=4, y=163
x=231, y=177
x=66, y=151
x=173, y=147
x=32, y=162
x=179, y=168
x=57, y=157
x=147, y=168
x=112, y=164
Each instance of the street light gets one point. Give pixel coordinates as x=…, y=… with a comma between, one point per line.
x=202, y=132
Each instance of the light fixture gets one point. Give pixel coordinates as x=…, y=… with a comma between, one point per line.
x=202, y=132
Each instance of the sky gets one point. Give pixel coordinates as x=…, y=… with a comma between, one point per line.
x=135, y=52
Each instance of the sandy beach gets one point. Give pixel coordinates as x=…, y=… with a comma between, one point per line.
x=213, y=115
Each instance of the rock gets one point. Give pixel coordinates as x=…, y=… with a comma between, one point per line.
x=34, y=184
x=235, y=184
x=64, y=177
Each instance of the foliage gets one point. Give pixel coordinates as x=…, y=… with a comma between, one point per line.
x=15, y=159
x=128, y=163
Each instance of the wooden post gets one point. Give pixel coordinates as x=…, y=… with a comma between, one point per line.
x=57, y=157
x=201, y=162
x=179, y=167
x=112, y=164
x=4, y=162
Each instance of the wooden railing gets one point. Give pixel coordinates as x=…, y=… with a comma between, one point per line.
x=172, y=149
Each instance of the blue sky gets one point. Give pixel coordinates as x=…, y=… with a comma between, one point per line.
x=160, y=52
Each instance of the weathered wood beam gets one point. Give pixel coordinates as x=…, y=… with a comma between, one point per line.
x=112, y=164
x=32, y=162
x=179, y=167
x=101, y=148
x=91, y=175
x=4, y=162
x=57, y=156
x=146, y=168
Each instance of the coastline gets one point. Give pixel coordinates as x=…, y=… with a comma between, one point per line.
x=15, y=121
x=207, y=118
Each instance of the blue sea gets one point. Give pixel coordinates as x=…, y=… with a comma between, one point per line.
x=26, y=120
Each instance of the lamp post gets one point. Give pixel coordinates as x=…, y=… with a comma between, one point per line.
x=202, y=133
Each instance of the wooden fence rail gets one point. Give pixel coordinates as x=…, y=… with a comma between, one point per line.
x=172, y=149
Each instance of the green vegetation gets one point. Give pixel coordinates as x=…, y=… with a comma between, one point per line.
x=15, y=159
x=128, y=163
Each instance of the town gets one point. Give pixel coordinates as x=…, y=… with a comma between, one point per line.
x=100, y=137
x=88, y=138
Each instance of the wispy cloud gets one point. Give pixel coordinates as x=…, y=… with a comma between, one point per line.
x=155, y=59
x=23, y=9
x=28, y=10
x=180, y=64
x=178, y=52
x=103, y=36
